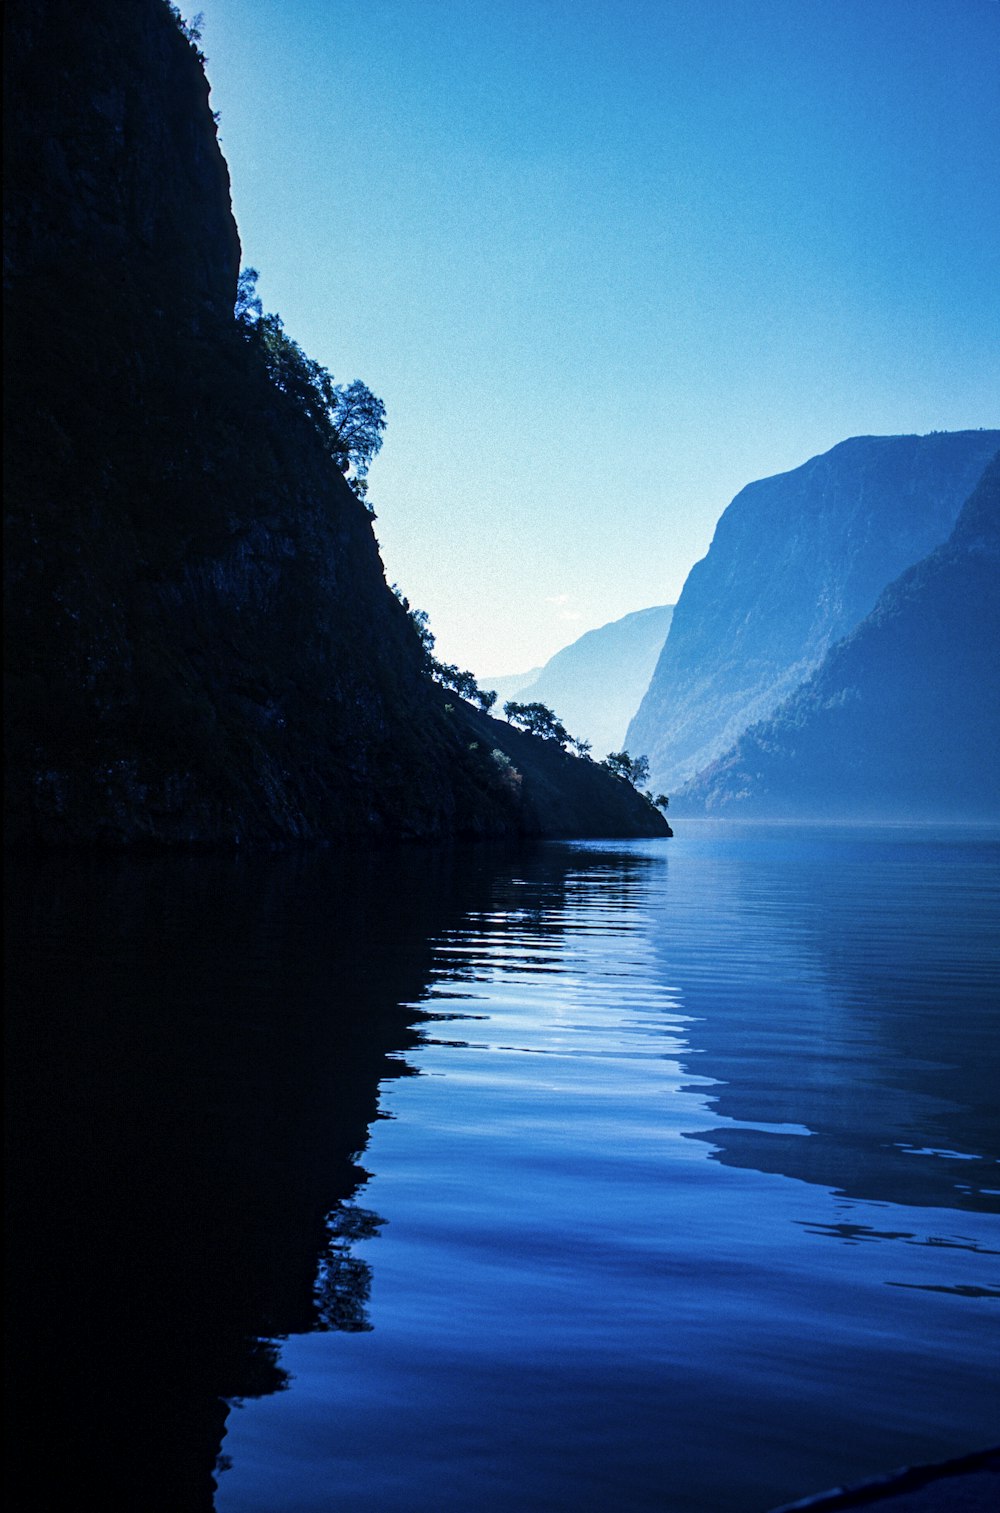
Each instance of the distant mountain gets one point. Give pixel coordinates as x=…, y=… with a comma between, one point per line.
x=595, y=684
x=902, y=719
x=796, y=563
x=509, y=685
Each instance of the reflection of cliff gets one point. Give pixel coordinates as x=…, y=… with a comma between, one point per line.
x=195, y=1050
x=831, y=997
x=537, y=901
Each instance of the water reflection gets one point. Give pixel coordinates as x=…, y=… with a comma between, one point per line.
x=674, y=1197
x=344, y=1281
x=674, y=1219
x=848, y=987
x=858, y=1234
x=195, y=1050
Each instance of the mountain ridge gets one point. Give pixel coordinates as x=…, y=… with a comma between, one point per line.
x=902, y=717
x=595, y=683
x=796, y=562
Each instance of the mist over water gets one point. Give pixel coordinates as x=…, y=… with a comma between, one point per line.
x=646, y=1175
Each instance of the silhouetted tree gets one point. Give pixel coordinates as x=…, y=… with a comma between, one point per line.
x=190, y=30
x=634, y=770
x=359, y=418
x=249, y=308
x=463, y=682
x=537, y=719
x=348, y=418
x=420, y=619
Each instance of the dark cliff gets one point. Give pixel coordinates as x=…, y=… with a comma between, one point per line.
x=902, y=718
x=796, y=563
x=201, y=646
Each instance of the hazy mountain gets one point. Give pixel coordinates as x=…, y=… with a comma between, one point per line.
x=201, y=646
x=509, y=684
x=595, y=684
x=796, y=563
x=902, y=719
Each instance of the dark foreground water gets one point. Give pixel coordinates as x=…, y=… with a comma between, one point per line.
x=691, y=1204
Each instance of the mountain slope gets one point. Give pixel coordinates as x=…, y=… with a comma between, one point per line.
x=201, y=647
x=902, y=719
x=796, y=563
x=508, y=685
x=596, y=683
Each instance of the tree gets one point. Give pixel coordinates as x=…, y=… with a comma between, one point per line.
x=537, y=719
x=463, y=682
x=190, y=30
x=420, y=620
x=249, y=308
x=359, y=418
x=348, y=418
x=634, y=770
x=459, y=678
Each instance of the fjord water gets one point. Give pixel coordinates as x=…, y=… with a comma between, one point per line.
x=656, y=1175
x=692, y=1203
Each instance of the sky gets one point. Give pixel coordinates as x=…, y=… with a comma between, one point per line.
x=606, y=261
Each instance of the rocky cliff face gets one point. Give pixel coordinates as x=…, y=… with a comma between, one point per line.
x=796, y=563
x=113, y=155
x=201, y=646
x=902, y=718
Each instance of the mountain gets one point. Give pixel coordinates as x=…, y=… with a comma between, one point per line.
x=796, y=563
x=508, y=685
x=595, y=684
x=201, y=647
x=902, y=718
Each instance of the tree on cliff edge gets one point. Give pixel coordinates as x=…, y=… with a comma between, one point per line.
x=349, y=418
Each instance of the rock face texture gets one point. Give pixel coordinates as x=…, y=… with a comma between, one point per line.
x=902, y=718
x=595, y=685
x=201, y=646
x=797, y=562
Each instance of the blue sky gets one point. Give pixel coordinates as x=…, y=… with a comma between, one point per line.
x=608, y=260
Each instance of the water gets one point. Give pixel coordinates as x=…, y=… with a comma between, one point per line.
x=682, y=1196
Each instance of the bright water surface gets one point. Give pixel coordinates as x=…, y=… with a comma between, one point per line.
x=692, y=1205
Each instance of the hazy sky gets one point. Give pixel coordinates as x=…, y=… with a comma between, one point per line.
x=608, y=260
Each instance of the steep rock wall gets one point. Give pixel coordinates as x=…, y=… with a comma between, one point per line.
x=902, y=718
x=201, y=648
x=796, y=563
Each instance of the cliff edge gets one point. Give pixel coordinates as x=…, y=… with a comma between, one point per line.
x=201, y=648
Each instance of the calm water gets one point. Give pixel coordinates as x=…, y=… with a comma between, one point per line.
x=682, y=1195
